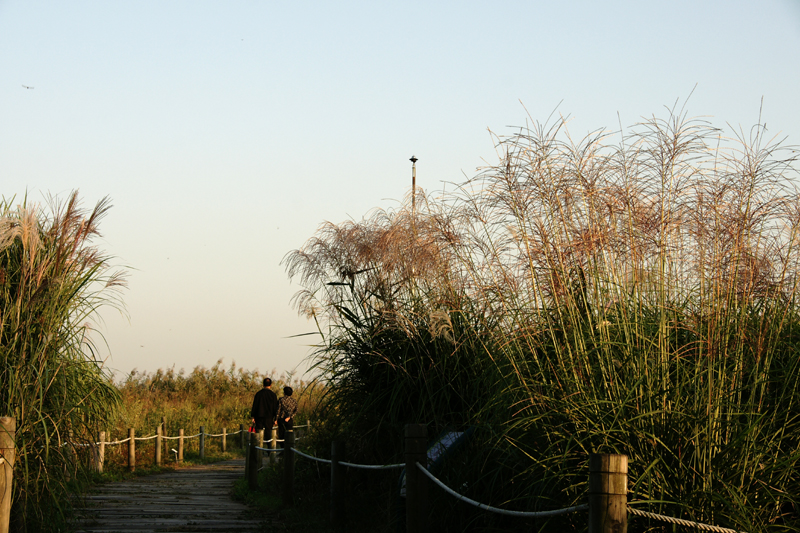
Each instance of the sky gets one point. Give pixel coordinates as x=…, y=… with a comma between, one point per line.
x=226, y=133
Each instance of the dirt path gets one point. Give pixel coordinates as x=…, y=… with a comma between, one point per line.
x=190, y=499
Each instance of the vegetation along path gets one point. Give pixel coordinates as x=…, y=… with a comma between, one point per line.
x=196, y=498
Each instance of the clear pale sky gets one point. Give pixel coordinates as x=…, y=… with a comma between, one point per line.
x=225, y=133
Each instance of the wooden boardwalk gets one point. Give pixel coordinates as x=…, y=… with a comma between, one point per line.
x=192, y=499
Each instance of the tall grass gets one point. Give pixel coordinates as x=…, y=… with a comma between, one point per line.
x=393, y=351
x=52, y=282
x=213, y=397
x=634, y=296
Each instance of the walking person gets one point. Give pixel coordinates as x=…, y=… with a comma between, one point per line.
x=265, y=407
x=287, y=408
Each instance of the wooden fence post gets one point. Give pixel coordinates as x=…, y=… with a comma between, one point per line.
x=157, y=447
x=224, y=440
x=252, y=472
x=242, y=435
x=202, y=442
x=8, y=430
x=273, y=444
x=338, y=497
x=608, y=493
x=247, y=459
x=131, y=449
x=180, y=445
x=416, y=451
x=165, y=433
x=260, y=455
x=288, y=469
x=100, y=452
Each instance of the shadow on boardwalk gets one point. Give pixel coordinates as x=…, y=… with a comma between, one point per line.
x=190, y=499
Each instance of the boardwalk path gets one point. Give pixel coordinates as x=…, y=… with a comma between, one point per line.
x=190, y=499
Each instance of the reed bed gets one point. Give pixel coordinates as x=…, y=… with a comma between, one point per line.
x=52, y=282
x=631, y=293
x=214, y=397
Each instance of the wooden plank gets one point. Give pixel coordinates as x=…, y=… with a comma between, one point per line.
x=191, y=499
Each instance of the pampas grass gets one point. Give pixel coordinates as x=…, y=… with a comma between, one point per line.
x=627, y=293
x=52, y=282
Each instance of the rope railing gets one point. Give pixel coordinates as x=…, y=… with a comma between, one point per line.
x=114, y=443
x=373, y=467
x=319, y=460
x=681, y=522
x=270, y=450
x=507, y=512
x=460, y=497
x=150, y=437
x=336, y=480
x=343, y=463
x=607, y=485
x=277, y=440
x=159, y=437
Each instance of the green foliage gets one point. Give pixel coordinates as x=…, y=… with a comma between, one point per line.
x=52, y=282
x=637, y=297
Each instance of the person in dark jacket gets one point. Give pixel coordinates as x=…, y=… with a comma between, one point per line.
x=265, y=407
x=287, y=408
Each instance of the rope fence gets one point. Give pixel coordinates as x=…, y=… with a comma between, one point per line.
x=99, y=445
x=607, y=477
x=114, y=443
x=335, y=463
x=8, y=449
x=344, y=463
x=611, y=469
x=319, y=460
x=150, y=437
x=681, y=522
x=269, y=450
x=507, y=512
x=373, y=467
x=607, y=488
